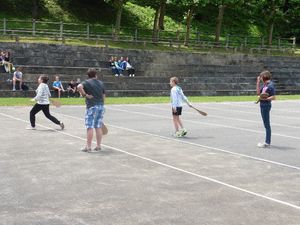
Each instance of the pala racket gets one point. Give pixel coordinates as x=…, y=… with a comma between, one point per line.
x=104, y=129
x=199, y=111
x=262, y=96
x=56, y=103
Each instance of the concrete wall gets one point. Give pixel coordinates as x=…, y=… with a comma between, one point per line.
x=200, y=73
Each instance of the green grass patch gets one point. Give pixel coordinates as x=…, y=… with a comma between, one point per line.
x=144, y=100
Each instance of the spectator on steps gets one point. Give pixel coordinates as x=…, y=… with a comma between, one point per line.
x=17, y=77
x=72, y=88
x=58, y=87
x=113, y=67
x=118, y=67
x=5, y=61
x=130, y=70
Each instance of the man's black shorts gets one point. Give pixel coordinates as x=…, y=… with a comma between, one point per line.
x=178, y=111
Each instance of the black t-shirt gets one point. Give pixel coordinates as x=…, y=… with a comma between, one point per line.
x=72, y=85
x=95, y=88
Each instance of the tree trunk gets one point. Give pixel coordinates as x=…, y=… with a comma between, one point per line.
x=219, y=23
x=189, y=18
x=163, y=4
x=35, y=9
x=155, y=25
x=118, y=17
x=270, y=38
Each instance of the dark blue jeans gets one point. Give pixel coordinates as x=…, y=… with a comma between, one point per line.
x=265, y=114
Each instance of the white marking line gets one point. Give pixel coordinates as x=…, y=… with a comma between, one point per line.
x=171, y=167
x=204, y=123
x=194, y=144
x=253, y=113
x=275, y=107
x=226, y=117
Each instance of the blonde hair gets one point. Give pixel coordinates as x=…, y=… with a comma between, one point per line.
x=174, y=79
x=265, y=75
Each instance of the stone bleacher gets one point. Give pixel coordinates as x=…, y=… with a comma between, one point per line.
x=199, y=73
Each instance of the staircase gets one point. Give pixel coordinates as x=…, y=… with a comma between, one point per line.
x=199, y=74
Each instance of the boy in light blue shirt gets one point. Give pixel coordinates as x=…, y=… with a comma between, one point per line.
x=177, y=98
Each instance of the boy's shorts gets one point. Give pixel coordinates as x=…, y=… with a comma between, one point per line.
x=178, y=111
x=94, y=116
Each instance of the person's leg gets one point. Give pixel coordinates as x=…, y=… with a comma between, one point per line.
x=175, y=121
x=98, y=137
x=36, y=108
x=20, y=83
x=89, y=138
x=265, y=114
x=98, y=125
x=14, y=84
x=46, y=112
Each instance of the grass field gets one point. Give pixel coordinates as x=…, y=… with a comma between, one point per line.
x=144, y=100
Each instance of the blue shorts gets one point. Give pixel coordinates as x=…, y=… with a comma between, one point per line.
x=94, y=116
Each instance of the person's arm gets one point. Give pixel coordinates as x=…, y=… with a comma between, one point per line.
x=184, y=98
x=39, y=92
x=83, y=93
x=62, y=87
x=258, y=85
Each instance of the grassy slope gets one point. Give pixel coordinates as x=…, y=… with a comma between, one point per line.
x=144, y=100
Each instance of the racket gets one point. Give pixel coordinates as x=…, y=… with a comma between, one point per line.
x=262, y=96
x=199, y=111
x=56, y=103
x=104, y=129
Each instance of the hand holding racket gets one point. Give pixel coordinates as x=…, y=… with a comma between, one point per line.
x=262, y=96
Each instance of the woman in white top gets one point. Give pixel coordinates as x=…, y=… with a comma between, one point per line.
x=42, y=98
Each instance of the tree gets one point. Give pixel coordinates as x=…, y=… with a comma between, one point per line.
x=190, y=7
x=222, y=5
x=118, y=4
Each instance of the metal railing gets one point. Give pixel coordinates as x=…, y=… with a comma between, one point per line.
x=62, y=30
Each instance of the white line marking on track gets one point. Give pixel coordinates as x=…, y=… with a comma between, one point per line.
x=194, y=144
x=227, y=117
x=172, y=167
x=204, y=123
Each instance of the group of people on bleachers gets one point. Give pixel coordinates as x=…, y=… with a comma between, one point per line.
x=71, y=89
x=5, y=61
x=121, y=66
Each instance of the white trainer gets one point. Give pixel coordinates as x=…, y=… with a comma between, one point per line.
x=263, y=145
x=30, y=128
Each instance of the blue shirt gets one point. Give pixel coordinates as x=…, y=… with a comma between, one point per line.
x=57, y=84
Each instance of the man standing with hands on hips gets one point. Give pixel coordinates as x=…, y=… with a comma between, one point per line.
x=94, y=92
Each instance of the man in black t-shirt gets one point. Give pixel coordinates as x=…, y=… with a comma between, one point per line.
x=94, y=92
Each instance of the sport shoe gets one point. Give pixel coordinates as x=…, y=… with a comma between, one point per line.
x=178, y=134
x=13, y=89
x=97, y=149
x=183, y=132
x=62, y=126
x=263, y=145
x=85, y=149
x=30, y=128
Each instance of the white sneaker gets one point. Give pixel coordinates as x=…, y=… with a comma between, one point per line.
x=263, y=145
x=133, y=75
x=178, y=134
x=30, y=128
x=183, y=132
x=116, y=75
x=13, y=89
